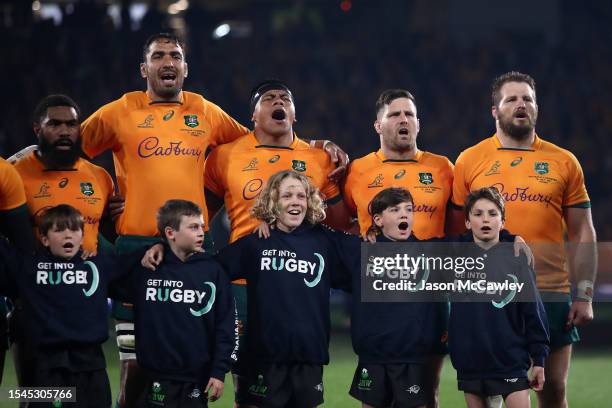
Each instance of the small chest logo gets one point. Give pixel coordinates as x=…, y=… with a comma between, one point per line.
x=377, y=182
x=298, y=165
x=191, y=120
x=63, y=183
x=494, y=168
x=516, y=162
x=168, y=115
x=541, y=167
x=87, y=189
x=252, y=165
x=43, y=191
x=146, y=123
x=425, y=178
x=400, y=174
x=274, y=158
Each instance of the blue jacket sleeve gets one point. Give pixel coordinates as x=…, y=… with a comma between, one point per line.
x=534, y=315
x=225, y=325
x=231, y=259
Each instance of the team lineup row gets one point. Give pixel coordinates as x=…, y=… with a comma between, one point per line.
x=159, y=139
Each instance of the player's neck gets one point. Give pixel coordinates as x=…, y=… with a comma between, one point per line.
x=512, y=143
x=157, y=98
x=264, y=138
x=392, y=154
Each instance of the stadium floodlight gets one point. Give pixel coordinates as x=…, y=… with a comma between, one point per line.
x=221, y=31
x=36, y=5
x=178, y=6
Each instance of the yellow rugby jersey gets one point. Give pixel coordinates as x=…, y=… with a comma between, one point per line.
x=238, y=171
x=428, y=177
x=159, y=151
x=87, y=188
x=536, y=183
x=12, y=193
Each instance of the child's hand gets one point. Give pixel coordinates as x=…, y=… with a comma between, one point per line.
x=153, y=257
x=537, y=378
x=214, y=389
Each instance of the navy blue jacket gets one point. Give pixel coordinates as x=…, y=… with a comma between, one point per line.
x=289, y=278
x=184, y=318
x=387, y=332
x=486, y=341
x=64, y=301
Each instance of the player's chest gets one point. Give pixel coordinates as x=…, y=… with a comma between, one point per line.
x=170, y=132
x=248, y=174
x=522, y=177
x=426, y=182
x=78, y=189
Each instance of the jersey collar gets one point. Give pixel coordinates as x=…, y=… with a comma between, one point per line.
x=382, y=158
x=537, y=143
x=256, y=145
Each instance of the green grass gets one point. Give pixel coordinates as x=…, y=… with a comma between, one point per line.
x=589, y=381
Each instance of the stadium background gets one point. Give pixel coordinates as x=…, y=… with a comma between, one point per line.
x=337, y=56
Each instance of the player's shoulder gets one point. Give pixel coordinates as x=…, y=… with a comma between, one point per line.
x=128, y=101
x=365, y=163
x=241, y=144
x=561, y=153
x=482, y=148
x=436, y=160
x=27, y=163
x=98, y=171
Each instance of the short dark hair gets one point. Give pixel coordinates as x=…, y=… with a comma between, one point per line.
x=161, y=36
x=50, y=101
x=389, y=95
x=488, y=193
x=169, y=215
x=512, y=76
x=265, y=86
x=386, y=198
x=62, y=217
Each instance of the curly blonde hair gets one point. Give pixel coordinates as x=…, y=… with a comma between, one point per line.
x=266, y=207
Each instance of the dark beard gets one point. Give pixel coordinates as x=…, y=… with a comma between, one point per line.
x=59, y=159
x=518, y=133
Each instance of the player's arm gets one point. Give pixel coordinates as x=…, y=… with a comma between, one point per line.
x=214, y=182
x=16, y=226
x=339, y=217
x=98, y=132
x=338, y=157
x=455, y=220
x=583, y=261
x=14, y=217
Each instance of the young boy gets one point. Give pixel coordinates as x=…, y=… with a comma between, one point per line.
x=392, y=339
x=184, y=315
x=289, y=276
x=65, y=305
x=494, y=343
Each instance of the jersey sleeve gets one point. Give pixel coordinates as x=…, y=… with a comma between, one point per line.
x=213, y=175
x=226, y=128
x=575, y=194
x=347, y=191
x=460, y=187
x=98, y=133
x=12, y=192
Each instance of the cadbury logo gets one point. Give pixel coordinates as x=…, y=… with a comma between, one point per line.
x=150, y=147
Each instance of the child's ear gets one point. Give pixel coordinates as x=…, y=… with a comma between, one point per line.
x=468, y=225
x=377, y=218
x=44, y=240
x=169, y=233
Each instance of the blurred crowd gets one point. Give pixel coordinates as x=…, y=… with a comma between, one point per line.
x=336, y=63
